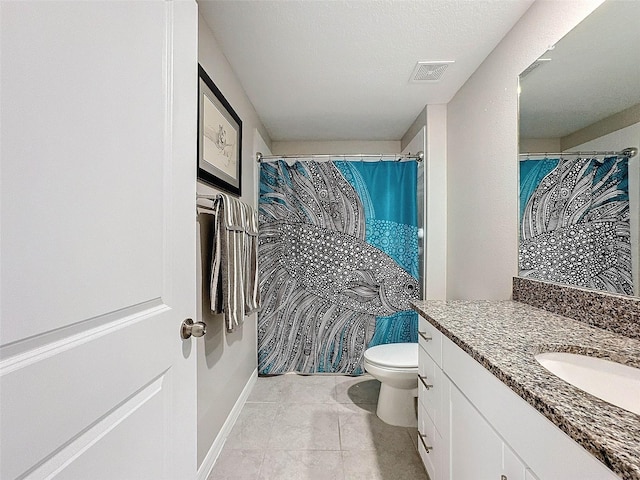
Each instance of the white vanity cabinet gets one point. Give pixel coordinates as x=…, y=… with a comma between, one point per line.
x=433, y=398
x=478, y=428
x=462, y=445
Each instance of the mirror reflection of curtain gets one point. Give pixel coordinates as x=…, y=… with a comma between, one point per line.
x=574, y=222
x=338, y=262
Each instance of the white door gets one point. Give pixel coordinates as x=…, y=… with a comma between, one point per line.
x=98, y=129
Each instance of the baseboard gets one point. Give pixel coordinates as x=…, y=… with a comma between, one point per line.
x=218, y=443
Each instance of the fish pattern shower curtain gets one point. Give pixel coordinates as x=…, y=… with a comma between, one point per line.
x=574, y=222
x=338, y=250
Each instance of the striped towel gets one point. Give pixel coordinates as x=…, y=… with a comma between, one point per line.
x=234, y=285
x=251, y=294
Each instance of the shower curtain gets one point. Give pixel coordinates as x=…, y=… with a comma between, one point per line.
x=338, y=249
x=574, y=222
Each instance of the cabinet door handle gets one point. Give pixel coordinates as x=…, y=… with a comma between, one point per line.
x=422, y=436
x=425, y=336
x=423, y=379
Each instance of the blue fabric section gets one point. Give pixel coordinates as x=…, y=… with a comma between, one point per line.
x=399, y=328
x=352, y=175
x=387, y=195
x=620, y=175
x=270, y=179
x=274, y=180
x=390, y=186
x=531, y=173
x=388, y=191
x=397, y=240
x=266, y=369
x=270, y=182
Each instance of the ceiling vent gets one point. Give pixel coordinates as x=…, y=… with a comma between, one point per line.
x=429, y=71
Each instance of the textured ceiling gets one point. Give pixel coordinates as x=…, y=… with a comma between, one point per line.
x=340, y=70
x=594, y=72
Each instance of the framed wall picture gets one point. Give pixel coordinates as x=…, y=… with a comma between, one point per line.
x=219, y=138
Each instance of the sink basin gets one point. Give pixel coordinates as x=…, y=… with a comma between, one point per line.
x=612, y=382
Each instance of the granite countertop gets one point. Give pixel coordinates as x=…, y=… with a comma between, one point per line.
x=504, y=336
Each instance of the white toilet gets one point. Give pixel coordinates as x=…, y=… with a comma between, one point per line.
x=395, y=365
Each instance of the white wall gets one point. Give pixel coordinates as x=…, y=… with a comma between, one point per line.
x=336, y=148
x=259, y=145
x=226, y=362
x=540, y=145
x=436, y=158
x=430, y=136
x=419, y=144
x=619, y=140
x=610, y=124
x=482, y=149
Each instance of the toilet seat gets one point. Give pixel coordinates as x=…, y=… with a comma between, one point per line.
x=392, y=356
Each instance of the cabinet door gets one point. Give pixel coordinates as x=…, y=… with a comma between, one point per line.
x=432, y=390
x=476, y=450
x=430, y=339
x=512, y=467
x=429, y=445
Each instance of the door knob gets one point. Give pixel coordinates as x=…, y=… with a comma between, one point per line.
x=189, y=328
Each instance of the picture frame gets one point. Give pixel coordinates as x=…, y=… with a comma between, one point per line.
x=219, y=138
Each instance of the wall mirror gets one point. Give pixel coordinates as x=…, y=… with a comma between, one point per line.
x=580, y=213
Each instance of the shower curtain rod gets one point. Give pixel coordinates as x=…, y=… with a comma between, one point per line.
x=627, y=152
x=397, y=157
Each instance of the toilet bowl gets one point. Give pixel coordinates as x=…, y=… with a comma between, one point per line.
x=395, y=365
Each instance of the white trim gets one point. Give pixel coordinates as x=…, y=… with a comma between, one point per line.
x=216, y=447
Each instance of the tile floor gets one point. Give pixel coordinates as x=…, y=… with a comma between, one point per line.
x=298, y=427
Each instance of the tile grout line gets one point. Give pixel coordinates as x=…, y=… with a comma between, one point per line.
x=339, y=402
x=264, y=454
